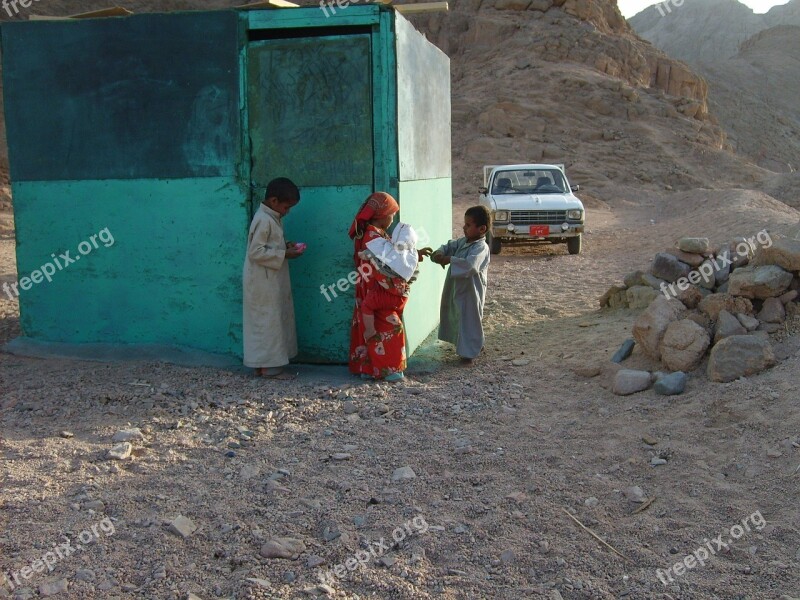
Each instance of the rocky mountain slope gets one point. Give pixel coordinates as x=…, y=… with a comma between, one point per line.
x=563, y=81
x=705, y=31
x=751, y=63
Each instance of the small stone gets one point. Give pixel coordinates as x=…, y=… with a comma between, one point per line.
x=230, y=454
x=51, y=588
x=591, y=502
x=120, y=451
x=349, y=407
x=84, y=575
x=314, y=561
x=94, y=505
x=788, y=296
x=128, y=435
x=289, y=577
x=635, y=494
x=283, y=547
x=748, y=322
x=387, y=561
x=403, y=474
x=667, y=267
x=182, y=526
x=311, y=503
x=520, y=362
x=66, y=434
x=191, y=596
x=774, y=453
x=262, y=583
x=727, y=325
x=656, y=461
x=508, y=556
x=625, y=350
x=338, y=456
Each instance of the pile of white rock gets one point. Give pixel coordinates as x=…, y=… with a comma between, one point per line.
x=722, y=301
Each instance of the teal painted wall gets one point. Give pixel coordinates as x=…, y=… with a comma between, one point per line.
x=172, y=276
x=177, y=198
x=423, y=207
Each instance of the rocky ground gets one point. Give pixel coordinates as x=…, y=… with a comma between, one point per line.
x=502, y=458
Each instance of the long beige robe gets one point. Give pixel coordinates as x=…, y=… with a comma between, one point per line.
x=270, y=337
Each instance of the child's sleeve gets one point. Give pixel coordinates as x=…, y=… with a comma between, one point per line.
x=266, y=250
x=448, y=249
x=471, y=264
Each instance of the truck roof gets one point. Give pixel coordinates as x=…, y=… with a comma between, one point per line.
x=487, y=169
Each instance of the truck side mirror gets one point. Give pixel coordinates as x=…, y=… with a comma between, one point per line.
x=483, y=190
x=575, y=188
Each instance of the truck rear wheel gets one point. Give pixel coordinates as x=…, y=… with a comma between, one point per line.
x=494, y=244
x=574, y=244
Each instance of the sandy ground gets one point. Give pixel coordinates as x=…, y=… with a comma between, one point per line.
x=501, y=453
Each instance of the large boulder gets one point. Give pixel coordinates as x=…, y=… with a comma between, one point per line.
x=714, y=303
x=694, y=245
x=728, y=325
x=739, y=356
x=614, y=298
x=640, y=296
x=767, y=281
x=693, y=260
x=692, y=295
x=784, y=252
x=649, y=328
x=684, y=345
x=667, y=267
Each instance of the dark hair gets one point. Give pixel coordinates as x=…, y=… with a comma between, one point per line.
x=481, y=216
x=284, y=190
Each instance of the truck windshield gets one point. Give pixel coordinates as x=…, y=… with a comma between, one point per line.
x=537, y=181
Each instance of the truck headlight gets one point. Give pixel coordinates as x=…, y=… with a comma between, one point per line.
x=501, y=215
x=575, y=215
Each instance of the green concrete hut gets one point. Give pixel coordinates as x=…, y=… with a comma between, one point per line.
x=163, y=129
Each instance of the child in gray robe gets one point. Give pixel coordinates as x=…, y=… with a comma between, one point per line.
x=464, y=291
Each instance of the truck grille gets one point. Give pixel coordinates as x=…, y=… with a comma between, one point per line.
x=538, y=217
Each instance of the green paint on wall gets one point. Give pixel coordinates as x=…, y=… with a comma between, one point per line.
x=173, y=274
x=426, y=205
x=322, y=220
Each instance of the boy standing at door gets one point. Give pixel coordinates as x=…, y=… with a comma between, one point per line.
x=270, y=337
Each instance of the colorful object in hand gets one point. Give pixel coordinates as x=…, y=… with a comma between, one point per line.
x=300, y=246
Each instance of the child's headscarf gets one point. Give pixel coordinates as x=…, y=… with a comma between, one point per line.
x=377, y=206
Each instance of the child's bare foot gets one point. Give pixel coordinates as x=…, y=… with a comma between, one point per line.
x=467, y=362
x=275, y=373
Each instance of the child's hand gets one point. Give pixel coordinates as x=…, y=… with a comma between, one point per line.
x=293, y=251
x=425, y=252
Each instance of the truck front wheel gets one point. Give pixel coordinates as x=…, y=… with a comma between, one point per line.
x=574, y=244
x=494, y=244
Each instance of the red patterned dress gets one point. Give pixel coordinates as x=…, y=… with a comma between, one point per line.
x=384, y=353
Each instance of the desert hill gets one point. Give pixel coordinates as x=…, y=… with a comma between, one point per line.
x=703, y=31
x=563, y=81
x=752, y=65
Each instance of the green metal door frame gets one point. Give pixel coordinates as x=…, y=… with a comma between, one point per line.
x=380, y=21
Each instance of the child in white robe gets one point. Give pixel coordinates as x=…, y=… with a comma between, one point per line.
x=397, y=259
x=270, y=337
x=464, y=292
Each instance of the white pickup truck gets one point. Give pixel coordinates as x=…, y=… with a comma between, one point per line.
x=532, y=203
